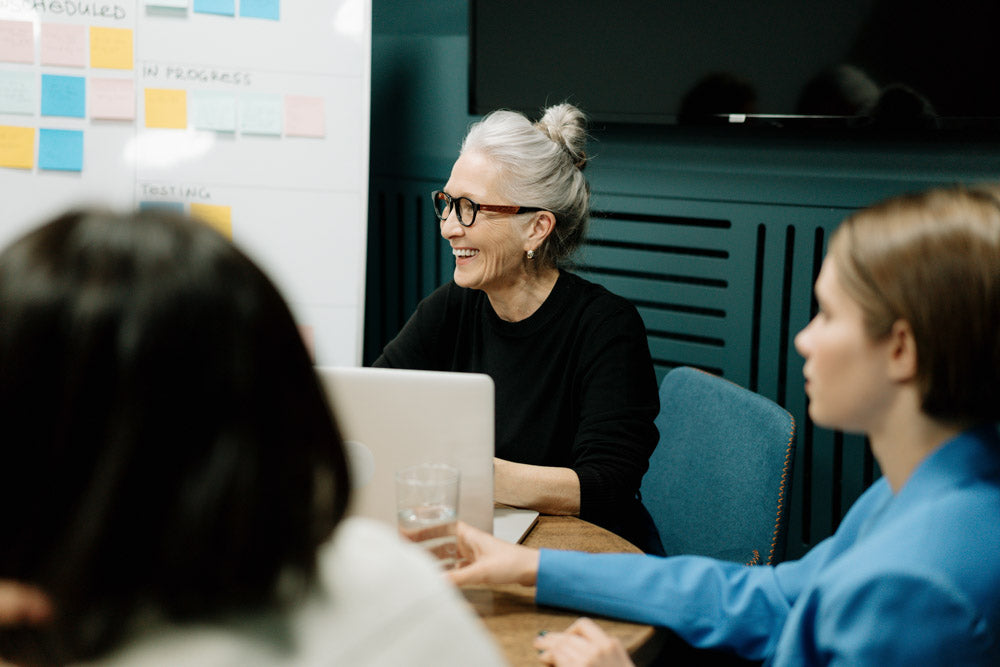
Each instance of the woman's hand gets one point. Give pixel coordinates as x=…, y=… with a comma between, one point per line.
x=489, y=560
x=583, y=643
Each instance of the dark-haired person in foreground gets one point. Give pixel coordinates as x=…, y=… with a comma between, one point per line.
x=906, y=349
x=174, y=483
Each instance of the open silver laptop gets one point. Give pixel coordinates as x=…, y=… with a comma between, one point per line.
x=393, y=418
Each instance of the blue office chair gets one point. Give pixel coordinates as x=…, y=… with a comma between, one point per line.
x=719, y=479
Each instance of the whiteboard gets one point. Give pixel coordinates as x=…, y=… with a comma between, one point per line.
x=251, y=114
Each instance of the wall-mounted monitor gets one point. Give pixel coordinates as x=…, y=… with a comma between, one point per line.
x=913, y=64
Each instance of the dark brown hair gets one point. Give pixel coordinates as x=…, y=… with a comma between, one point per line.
x=166, y=443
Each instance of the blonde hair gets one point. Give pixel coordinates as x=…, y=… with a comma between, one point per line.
x=541, y=164
x=933, y=260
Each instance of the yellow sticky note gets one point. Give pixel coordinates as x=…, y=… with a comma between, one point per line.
x=111, y=48
x=166, y=108
x=220, y=217
x=17, y=147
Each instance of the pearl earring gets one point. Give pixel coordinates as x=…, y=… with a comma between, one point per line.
x=531, y=254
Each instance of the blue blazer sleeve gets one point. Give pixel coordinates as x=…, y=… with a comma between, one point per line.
x=867, y=618
x=710, y=603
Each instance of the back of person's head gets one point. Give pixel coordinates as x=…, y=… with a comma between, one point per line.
x=167, y=446
x=541, y=164
x=933, y=260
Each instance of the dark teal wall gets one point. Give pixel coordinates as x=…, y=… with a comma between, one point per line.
x=715, y=237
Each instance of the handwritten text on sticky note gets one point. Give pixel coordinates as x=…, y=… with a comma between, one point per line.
x=17, y=147
x=220, y=217
x=110, y=48
x=304, y=116
x=64, y=96
x=17, y=42
x=212, y=110
x=61, y=150
x=112, y=99
x=166, y=108
x=18, y=92
x=64, y=45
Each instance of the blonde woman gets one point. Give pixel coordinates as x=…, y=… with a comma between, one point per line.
x=906, y=349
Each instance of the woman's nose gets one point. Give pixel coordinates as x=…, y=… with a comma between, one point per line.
x=801, y=340
x=451, y=227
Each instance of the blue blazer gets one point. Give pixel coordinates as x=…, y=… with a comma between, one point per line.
x=908, y=578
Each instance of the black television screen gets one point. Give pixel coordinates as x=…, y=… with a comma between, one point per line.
x=887, y=63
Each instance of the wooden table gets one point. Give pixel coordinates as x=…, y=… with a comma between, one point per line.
x=513, y=618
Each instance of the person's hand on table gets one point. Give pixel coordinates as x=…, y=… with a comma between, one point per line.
x=583, y=643
x=488, y=560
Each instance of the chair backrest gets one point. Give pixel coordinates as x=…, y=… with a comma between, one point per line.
x=719, y=479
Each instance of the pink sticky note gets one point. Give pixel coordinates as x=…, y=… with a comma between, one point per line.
x=64, y=44
x=17, y=42
x=112, y=99
x=304, y=116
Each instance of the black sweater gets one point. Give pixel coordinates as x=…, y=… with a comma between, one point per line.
x=574, y=385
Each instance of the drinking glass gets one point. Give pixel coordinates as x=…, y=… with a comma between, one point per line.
x=427, y=508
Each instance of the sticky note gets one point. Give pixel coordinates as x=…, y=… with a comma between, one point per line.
x=304, y=116
x=64, y=96
x=18, y=92
x=111, y=48
x=220, y=217
x=64, y=45
x=60, y=149
x=17, y=147
x=259, y=9
x=211, y=110
x=261, y=113
x=173, y=4
x=17, y=42
x=166, y=108
x=173, y=206
x=224, y=7
x=112, y=99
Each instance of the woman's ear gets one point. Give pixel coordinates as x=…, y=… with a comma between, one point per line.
x=542, y=225
x=902, y=352
x=21, y=604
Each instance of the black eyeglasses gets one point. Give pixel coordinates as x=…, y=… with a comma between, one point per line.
x=467, y=209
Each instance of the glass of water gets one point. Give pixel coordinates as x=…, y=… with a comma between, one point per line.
x=427, y=507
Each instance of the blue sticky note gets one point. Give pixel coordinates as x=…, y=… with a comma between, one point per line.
x=174, y=206
x=259, y=9
x=64, y=96
x=60, y=149
x=224, y=7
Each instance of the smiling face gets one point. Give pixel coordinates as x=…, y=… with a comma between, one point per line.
x=847, y=373
x=489, y=255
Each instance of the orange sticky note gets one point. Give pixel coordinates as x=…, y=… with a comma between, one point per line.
x=166, y=108
x=17, y=147
x=220, y=217
x=111, y=48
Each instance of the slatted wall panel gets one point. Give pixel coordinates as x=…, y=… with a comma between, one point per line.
x=722, y=286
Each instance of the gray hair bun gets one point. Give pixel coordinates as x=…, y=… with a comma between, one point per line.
x=566, y=125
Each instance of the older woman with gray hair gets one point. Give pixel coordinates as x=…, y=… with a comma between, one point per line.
x=576, y=394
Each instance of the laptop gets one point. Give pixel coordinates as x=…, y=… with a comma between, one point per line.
x=392, y=418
